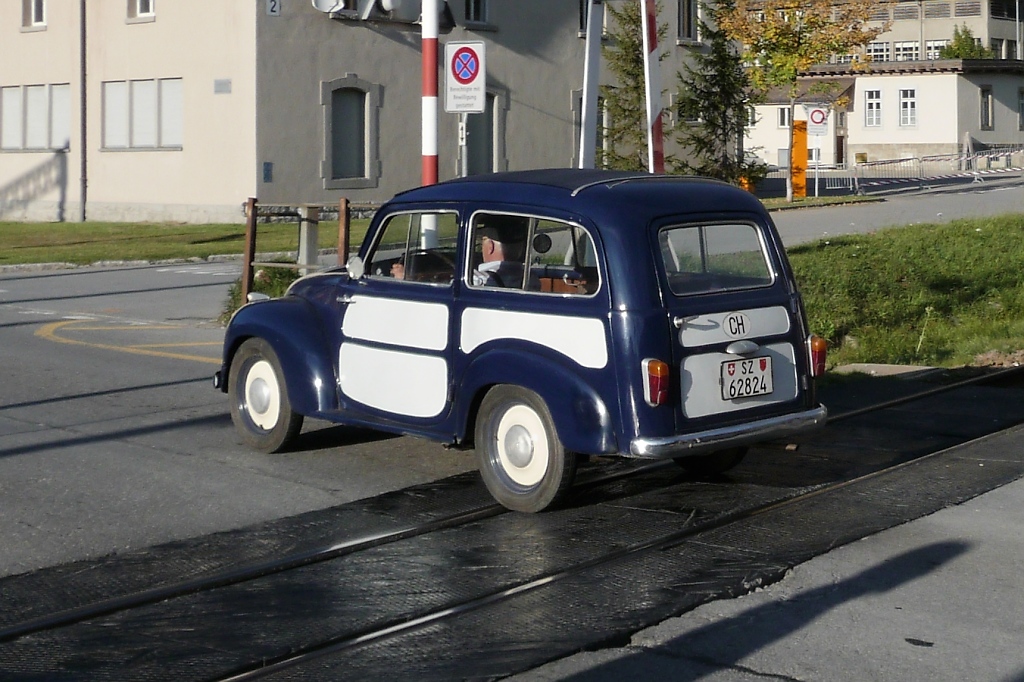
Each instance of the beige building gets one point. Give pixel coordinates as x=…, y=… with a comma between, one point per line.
x=181, y=109
x=909, y=103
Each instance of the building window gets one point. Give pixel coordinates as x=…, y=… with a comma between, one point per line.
x=33, y=14
x=906, y=50
x=1003, y=9
x=351, y=114
x=689, y=22
x=600, y=125
x=141, y=11
x=476, y=11
x=784, y=117
x=35, y=117
x=987, y=122
x=872, y=108
x=143, y=114
x=908, y=107
x=1020, y=109
x=878, y=51
x=480, y=140
x=585, y=6
x=348, y=143
x=934, y=47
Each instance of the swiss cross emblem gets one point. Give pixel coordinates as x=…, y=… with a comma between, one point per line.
x=764, y=364
x=731, y=368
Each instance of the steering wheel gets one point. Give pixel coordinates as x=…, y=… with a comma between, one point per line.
x=429, y=266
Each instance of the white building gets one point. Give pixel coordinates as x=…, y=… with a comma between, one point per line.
x=904, y=109
x=908, y=103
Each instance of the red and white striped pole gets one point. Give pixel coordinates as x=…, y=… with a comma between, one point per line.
x=652, y=76
x=429, y=21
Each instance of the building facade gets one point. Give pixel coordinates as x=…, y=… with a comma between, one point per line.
x=181, y=109
x=908, y=103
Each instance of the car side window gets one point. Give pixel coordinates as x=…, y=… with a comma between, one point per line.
x=416, y=247
x=562, y=260
x=533, y=254
x=499, y=250
x=716, y=257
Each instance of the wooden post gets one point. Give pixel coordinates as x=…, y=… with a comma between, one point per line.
x=250, y=248
x=344, y=223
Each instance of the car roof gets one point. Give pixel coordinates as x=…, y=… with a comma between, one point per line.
x=592, y=192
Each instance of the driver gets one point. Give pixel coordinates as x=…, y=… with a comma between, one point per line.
x=502, y=240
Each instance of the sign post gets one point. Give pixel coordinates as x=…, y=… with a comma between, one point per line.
x=817, y=127
x=465, y=88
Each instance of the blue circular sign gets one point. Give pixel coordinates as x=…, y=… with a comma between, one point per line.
x=465, y=65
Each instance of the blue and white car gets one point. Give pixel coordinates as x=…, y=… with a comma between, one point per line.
x=637, y=315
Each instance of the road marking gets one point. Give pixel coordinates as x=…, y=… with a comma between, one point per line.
x=50, y=332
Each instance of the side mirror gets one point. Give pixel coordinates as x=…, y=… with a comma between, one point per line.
x=356, y=268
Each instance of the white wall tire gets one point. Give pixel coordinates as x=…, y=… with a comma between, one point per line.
x=522, y=461
x=260, y=408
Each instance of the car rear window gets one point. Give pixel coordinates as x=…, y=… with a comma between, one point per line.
x=714, y=257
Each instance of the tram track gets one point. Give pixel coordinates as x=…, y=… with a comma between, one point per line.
x=522, y=583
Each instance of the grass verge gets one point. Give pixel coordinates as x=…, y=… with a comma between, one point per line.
x=931, y=294
x=93, y=242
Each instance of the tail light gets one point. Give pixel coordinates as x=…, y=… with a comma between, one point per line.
x=655, y=373
x=817, y=349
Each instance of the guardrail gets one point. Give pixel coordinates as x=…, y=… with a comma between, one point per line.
x=308, y=218
x=861, y=177
x=939, y=167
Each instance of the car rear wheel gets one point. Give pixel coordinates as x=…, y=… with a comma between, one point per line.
x=260, y=407
x=713, y=463
x=522, y=461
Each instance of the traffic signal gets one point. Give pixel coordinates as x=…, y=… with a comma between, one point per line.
x=404, y=11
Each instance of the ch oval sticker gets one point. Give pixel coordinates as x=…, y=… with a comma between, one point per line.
x=736, y=325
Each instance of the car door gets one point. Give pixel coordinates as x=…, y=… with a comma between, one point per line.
x=395, y=351
x=735, y=319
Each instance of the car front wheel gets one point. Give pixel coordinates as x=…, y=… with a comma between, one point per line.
x=522, y=461
x=260, y=407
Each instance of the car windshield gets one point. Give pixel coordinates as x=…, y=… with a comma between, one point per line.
x=715, y=257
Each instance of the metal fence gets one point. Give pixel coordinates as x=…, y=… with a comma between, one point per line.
x=875, y=175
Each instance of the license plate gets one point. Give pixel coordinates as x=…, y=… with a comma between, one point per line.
x=745, y=378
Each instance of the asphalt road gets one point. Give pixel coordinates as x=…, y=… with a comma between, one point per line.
x=904, y=206
x=112, y=438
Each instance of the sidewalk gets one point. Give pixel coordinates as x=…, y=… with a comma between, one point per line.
x=935, y=599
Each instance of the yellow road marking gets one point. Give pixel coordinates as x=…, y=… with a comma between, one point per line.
x=49, y=332
x=175, y=345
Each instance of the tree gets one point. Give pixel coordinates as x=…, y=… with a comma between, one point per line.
x=782, y=38
x=713, y=97
x=965, y=46
x=626, y=102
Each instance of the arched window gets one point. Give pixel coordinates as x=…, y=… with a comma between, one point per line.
x=351, y=113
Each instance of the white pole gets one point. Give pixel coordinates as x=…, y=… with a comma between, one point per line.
x=1020, y=34
x=652, y=75
x=430, y=11
x=591, y=78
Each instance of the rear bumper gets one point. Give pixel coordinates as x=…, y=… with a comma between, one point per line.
x=729, y=436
